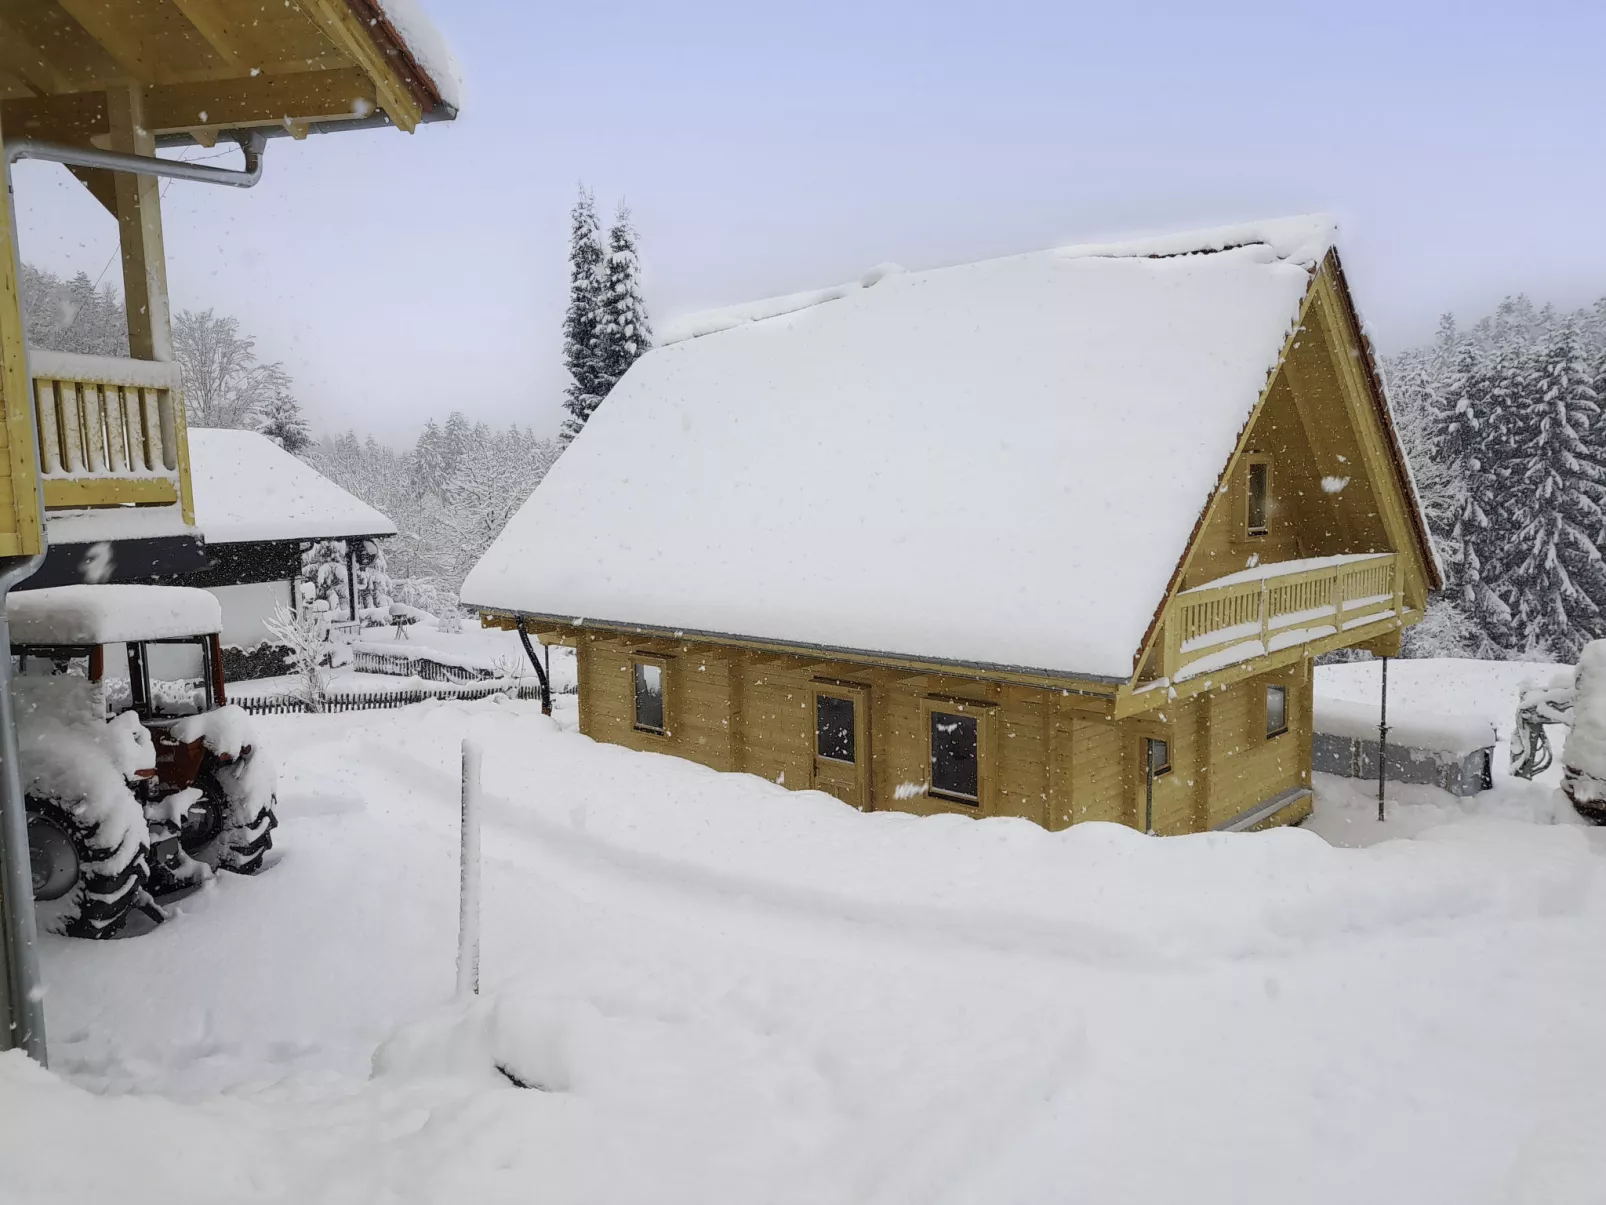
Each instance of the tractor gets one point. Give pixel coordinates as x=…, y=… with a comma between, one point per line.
x=141, y=780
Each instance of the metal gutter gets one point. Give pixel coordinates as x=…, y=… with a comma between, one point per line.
x=375, y=121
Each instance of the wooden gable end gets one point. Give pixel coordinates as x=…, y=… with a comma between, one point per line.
x=1336, y=484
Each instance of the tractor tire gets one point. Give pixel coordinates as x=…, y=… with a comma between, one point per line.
x=77, y=893
x=212, y=834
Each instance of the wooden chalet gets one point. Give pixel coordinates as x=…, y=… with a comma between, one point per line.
x=1057, y=536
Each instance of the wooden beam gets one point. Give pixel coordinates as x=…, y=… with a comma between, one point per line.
x=101, y=185
x=336, y=19
x=118, y=36
x=201, y=108
x=75, y=493
x=75, y=59
x=213, y=23
x=20, y=532
x=139, y=228
x=260, y=100
x=75, y=118
x=23, y=59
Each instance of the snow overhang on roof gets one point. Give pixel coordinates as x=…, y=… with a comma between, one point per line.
x=998, y=463
x=110, y=614
x=250, y=490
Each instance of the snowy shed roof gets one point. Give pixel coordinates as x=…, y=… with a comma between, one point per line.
x=248, y=488
x=111, y=613
x=998, y=463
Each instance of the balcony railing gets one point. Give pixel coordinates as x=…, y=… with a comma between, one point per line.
x=110, y=430
x=1273, y=607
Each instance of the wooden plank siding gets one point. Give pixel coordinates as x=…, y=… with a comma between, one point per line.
x=1052, y=760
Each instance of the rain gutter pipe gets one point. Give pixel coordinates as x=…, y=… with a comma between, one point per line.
x=540, y=671
x=19, y=937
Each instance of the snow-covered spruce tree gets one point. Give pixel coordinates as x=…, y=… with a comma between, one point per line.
x=323, y=567
x=583, y=319
x=626, y=335
x=306, y=635
x=1557, y=581
x=1475, y=447
x=281, y=421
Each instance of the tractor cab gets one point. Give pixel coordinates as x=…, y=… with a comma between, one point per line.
x=125, y=728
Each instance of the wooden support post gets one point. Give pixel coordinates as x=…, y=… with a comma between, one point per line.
x=139, y=228
x=20, y=534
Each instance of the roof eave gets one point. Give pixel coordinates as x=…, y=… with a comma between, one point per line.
x=1067, y=680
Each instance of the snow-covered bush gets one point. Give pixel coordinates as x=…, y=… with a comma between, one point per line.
x=306, y=636
x=1584, y=755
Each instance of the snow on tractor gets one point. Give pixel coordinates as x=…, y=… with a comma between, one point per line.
x=141, y=781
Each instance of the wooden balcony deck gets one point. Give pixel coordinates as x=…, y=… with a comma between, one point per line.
x=1272, y=607
x=111, y=431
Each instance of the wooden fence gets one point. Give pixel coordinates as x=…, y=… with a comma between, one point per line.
x=379, y=700
x=404, y=664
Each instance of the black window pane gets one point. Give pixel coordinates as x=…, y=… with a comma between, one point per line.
x=1257, y=497
x=1159, y=756
x=649, y=697
x=953, y=755
x=1276, y=709
x=833, y=727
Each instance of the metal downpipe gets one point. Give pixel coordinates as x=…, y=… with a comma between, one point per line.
x=251, y=146
x=540, y=670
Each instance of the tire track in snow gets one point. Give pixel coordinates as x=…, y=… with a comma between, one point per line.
x=1003, y=932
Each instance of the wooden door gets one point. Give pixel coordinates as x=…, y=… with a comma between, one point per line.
x=842, y=742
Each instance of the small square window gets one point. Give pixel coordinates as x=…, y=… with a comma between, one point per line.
x=954, y=757
x=833, y=727
x=1276, y=710
x=649, y=696
x=1259, y=483
x=1159, y=757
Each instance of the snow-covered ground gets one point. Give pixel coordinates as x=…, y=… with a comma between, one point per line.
x=735, y=993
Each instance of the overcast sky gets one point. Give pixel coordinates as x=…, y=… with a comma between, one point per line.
x=1462, y=147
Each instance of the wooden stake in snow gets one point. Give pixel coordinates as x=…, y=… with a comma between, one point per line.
x=468, y=907
x=1382, y=738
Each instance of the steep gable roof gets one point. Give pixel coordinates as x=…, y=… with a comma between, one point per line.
x=999, y=463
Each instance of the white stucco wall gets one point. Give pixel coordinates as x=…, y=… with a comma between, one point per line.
x=246, y=610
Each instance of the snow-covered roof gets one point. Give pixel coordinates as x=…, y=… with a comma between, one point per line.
x=998, y=463
x=248, y=488
x=428, y=48
x=109, y=614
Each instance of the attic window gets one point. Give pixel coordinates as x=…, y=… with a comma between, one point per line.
x=1258, y=488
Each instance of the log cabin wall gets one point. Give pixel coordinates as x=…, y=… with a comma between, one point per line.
x=1047, y=756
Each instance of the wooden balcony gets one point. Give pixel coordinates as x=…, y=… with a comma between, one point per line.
x=111, y=431
x=1264, y=610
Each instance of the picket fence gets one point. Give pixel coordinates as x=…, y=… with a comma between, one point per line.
x=282, y=704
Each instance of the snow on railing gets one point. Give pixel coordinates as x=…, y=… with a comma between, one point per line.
x=1275, y=606
x=105, y=417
